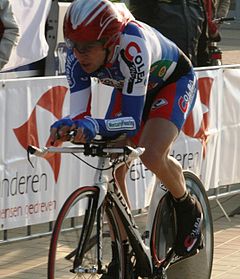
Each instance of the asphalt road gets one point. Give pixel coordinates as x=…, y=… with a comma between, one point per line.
x=230, y=43
x=230, y=34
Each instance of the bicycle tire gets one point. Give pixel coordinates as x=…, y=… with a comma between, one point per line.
x=200, y=265
x=66, y=238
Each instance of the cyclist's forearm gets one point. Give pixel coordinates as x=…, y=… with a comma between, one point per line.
x=116, y=126
x=128, y=122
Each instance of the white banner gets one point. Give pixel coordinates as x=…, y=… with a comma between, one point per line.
x=222, y=129
x=31, y=17
x=208, y=145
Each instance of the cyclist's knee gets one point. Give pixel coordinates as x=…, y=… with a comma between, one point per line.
x=154, y=159
x=160, y=162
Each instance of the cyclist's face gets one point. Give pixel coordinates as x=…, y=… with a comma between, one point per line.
x=91, y=55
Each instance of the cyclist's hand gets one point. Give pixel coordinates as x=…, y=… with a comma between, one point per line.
x=60, y=130
x=86, y=129
x=214, y=34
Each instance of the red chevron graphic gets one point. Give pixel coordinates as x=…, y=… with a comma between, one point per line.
x=205, y=89
x=27, y=134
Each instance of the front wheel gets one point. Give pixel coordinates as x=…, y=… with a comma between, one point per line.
x=80, y=246
x=71, y=234
x=200, y=265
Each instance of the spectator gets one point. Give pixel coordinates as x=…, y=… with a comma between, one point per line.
x=221, y=8
x=9, y=31
x=215, y=9
x=180, y=21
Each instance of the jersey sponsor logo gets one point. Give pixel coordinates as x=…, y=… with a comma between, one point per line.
x=162, y=71
x=111, y=77
x=118, y=84
x=132, y=47
x=159, y=68
x=70, y=66
x=125, y=123
x=159, y=103
x=134, y=60
x=186, y=99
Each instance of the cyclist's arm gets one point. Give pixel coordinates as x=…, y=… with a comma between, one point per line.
x=223, y=8
x=80, y=88
x=129, y=122
x=135, y=62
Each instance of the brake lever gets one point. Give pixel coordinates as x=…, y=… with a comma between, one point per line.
x=30, y=151
x=33, y=150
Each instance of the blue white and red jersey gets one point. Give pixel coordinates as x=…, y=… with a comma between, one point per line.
x=144, y=62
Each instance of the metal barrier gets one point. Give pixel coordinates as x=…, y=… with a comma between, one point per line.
x=223, y=192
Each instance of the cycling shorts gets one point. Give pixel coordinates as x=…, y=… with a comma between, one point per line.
x=173, y=102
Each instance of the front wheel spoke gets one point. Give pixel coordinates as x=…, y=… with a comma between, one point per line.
x=70, y=255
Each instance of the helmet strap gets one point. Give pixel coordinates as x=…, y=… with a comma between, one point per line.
x=106, y=56
x=111, y=55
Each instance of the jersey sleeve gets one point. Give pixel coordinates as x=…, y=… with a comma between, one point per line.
x=135, y=62
x=80, y=88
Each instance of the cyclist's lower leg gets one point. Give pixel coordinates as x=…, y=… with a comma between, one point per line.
x=120, y=175
x=157, y=159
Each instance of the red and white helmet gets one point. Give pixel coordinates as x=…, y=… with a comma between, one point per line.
x=92, y=20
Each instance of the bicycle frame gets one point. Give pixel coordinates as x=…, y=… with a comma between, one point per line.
x=141, y=248
x=109, y=193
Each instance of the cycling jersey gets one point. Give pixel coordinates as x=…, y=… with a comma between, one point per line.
x=144, y=62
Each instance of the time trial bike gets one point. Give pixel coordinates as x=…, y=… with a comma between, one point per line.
x=94, y=215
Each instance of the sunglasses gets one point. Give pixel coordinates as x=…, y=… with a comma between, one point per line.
x=83, y=47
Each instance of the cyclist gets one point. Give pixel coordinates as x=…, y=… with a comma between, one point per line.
x=155, y=88
x=166, y=16
x=215, y=9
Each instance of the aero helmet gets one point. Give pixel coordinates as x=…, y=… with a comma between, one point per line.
x=92, y=20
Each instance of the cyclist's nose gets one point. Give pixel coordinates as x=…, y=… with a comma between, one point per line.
x=81, y=56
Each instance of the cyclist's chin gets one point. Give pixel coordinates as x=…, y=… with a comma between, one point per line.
x=89, y=68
